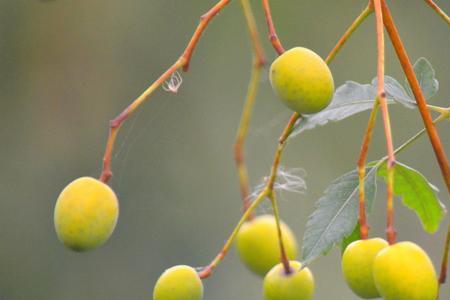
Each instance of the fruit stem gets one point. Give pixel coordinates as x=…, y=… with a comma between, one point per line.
x=207, y=271
x=276, y=212
x=273, y=37
x=443, y=275
x=364, y=228
x=182, y=62
x=381, y=95
x=439, y=11
x=417, y=91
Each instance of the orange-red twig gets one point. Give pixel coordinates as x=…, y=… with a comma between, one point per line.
x=272, y=32
x=381, y=95
x=364, y=227
x=439, y=11
x=182, y=62
x=418, y=94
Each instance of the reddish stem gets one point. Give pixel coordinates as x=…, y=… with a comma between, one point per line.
x=182, y=62
x=273, y=37
x=418, y=94
x=364, y=227
x=439, y=11
x=443, y=275
x=381, y=95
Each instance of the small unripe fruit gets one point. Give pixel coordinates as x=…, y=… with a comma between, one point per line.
x=297, y=285
x=357, y=266
x=302, y=80
x=178, y=283
x=404, y=271
x=85, y=214
x=258, y=246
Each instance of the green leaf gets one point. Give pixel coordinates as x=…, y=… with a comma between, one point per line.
x=336, y=213
x=426, y=75
x=354, y=236
x=349, y=99
x=417, y=194
x=395, y=91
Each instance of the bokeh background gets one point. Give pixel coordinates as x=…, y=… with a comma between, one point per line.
x=67, y=67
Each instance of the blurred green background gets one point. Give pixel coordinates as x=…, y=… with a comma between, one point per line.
x=68, y=67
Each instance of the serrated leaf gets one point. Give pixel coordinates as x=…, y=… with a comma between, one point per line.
x=426, y=76
x=417, y=194
x=394, y=90
x=336, y=213
x=349, y=99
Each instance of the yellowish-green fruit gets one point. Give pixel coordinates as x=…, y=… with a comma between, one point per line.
x=357, y=266
x=302, y=80
x=297, y=285
x=258, y=246
x=178, y=283
x=404, y=271
x=85, y=214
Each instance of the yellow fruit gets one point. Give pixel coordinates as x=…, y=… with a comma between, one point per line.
x=302, y=80
x=178, y=283
x=404, y=271
x=297, y=285
x=85, y=214
x=357, y=266
x=258, y=246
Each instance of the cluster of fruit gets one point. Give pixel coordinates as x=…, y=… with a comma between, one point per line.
x=402, y=271
x=86, y=213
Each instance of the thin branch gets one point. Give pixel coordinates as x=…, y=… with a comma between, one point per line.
x=182, y=62
x=273, y=37
x=364, y=228
x=381, y=95
x=254, y=34
x=207, y=271
x=417, y=91
x=439, y=11
x=242, y=134
x=242, y=131
x=443, y=274
x=276, y=212
x=359, y=20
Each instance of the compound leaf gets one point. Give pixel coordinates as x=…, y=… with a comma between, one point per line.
x=336, y=213
x=417, y=194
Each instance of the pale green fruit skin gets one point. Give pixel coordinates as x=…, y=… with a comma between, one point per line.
x=179, y=283
x=298, y=285
x=302, y=80
x=85, y=214
x=258, y=246
x=404, y=271
x=357, y=266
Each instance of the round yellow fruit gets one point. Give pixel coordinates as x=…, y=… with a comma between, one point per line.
x=178, y=283
x=404, y=271
x=258, y=246
x=302, y=80
x=297, y=285
x=85, y=214
x=357, y=266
